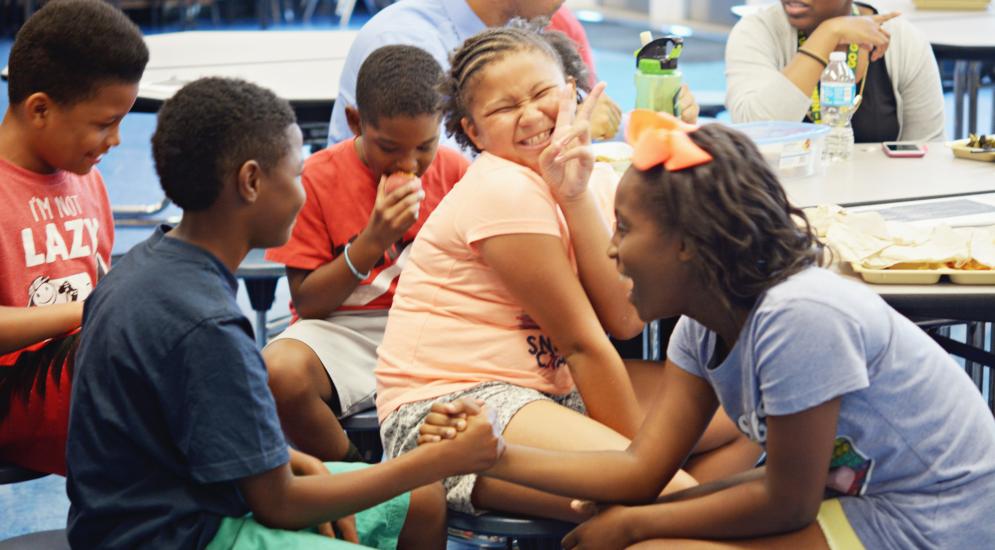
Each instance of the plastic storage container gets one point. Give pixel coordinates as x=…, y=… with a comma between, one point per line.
x=793, y=149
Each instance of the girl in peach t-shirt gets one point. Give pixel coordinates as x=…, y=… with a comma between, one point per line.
x=508, y=292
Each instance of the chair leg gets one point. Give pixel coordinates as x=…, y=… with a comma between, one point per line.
x=344, y=9
x=275, y=15
x=976, y=337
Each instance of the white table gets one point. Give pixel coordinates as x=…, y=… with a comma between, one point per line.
x=302, y=67
x=967, y=302
x=871, y=177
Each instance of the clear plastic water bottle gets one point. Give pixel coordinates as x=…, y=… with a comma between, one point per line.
x=837, y=88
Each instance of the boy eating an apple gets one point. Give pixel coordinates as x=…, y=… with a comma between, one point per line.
x=367, y=197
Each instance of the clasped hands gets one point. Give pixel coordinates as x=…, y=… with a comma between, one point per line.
x=471, y=425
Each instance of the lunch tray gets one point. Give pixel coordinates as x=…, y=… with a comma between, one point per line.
x=961, y=150
x=924, y=276
x=951, y=4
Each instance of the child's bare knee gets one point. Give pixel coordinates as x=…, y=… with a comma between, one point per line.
x=289, y=371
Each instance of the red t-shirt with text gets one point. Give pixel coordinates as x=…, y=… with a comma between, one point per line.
x=56, y=235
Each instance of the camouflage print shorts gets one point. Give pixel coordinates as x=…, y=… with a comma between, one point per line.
x=400, y=430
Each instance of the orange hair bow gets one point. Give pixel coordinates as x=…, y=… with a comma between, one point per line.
x=662, y=138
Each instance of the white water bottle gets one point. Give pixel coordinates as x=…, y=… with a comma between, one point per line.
x=837, y=88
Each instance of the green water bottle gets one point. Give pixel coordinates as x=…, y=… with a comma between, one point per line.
x=658, y=81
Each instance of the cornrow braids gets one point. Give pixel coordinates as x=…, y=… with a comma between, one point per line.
x=734, y=215
x=467, y=64
x=573, y=64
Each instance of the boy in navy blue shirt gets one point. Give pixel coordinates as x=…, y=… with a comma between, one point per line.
x=173, y=433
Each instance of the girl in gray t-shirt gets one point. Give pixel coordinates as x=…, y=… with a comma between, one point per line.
x=874, y=437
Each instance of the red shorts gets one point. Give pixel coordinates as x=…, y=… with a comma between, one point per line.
x=35, y=383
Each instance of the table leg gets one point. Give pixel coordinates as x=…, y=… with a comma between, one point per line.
x=991, y=390
x=344, y=10
x=973, y=86
x=960, y=85
x=309, y=7
x=651, y=341
x=976, y=337
x=262, y=294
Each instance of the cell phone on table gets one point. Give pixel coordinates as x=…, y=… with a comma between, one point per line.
x=902, y=149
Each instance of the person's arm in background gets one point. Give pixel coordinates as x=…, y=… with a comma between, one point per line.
x=755, y=87
x=23, y=326
x=916, y=76
x=866, y=31
x=758, y=90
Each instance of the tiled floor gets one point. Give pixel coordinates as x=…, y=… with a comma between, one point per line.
x=42, y=504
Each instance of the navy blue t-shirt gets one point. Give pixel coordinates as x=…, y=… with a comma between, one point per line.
x=170, y=405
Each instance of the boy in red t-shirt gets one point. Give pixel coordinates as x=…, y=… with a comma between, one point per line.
x=350, y=243
x=74, y=72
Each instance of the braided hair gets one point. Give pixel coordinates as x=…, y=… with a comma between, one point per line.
x=467, y=64
x=734, y=216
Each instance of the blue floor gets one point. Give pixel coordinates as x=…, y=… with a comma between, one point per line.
x=128, y=170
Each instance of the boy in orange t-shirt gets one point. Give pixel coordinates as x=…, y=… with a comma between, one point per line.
x=350, y=243
x=74, y=72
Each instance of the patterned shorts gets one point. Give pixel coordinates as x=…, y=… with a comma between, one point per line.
x=400, y=430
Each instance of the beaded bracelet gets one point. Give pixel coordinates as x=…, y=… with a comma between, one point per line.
x=355, y=272
x=822, y=61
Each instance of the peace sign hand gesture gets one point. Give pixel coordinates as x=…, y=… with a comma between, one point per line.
x=567, y=162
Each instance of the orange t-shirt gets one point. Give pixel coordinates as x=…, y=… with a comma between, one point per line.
x=340, y=196
x=454, y=324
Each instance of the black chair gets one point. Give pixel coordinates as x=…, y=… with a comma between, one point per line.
x=363, y=429
x=529, y=533
x=15, y=474
x=42, y=540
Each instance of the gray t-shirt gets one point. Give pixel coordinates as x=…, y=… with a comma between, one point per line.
x=914, y=459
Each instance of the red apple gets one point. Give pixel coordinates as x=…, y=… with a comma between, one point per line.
x=396, y=180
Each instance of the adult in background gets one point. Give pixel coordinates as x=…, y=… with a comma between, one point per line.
x=439, y=27
x=774, y=59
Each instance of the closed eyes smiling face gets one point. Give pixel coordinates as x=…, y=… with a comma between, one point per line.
x=514, y=106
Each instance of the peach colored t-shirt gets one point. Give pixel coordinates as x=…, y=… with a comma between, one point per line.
x=453, y=323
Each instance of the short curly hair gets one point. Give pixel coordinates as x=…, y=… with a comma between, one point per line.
x=398, y=80
x=467, y=64
x=209, y=129
x=70, y=48
x=734, y=215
